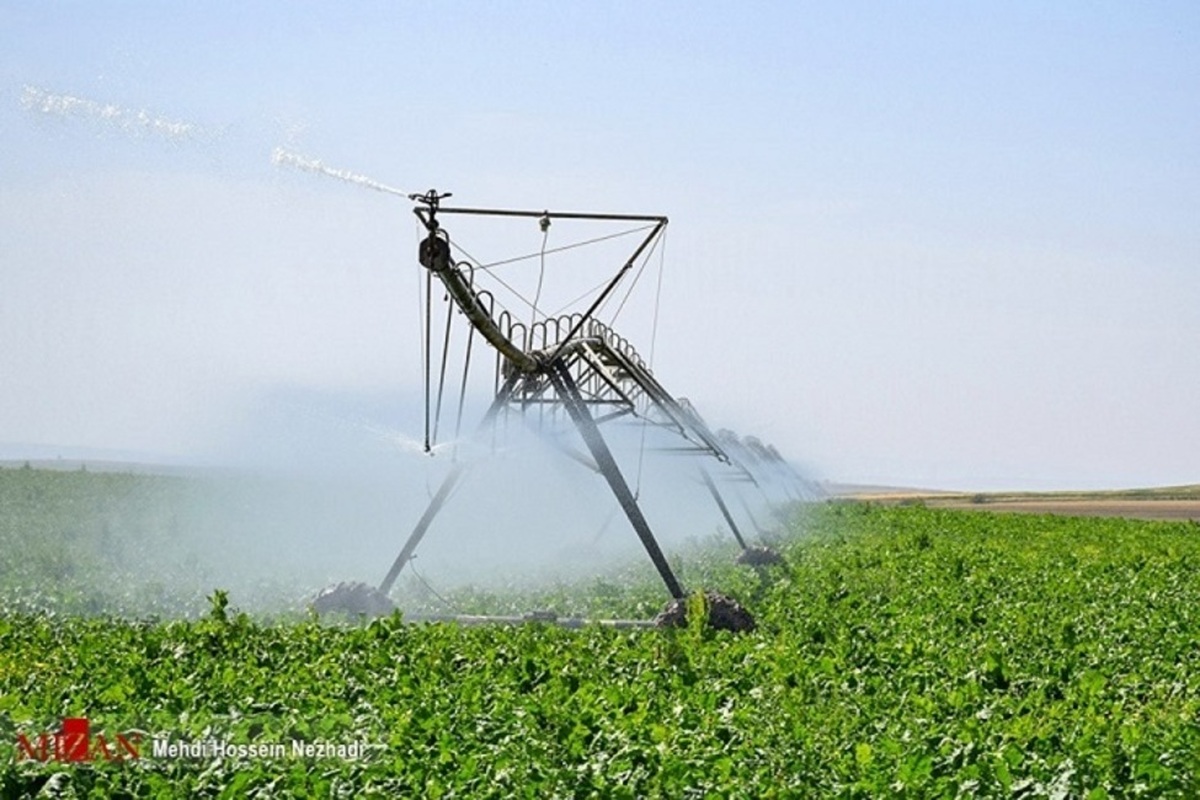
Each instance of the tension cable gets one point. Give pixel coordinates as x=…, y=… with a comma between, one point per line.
x=488, y=267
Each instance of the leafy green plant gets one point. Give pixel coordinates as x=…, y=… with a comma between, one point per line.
x=910, y=652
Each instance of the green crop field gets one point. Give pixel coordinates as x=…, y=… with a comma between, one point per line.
x=903, y=651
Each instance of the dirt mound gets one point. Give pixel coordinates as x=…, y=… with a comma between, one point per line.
x=759, y=556
x=356, y=599
x=724, y=614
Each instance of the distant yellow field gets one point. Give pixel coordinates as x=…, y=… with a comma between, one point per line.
x=1166, y=502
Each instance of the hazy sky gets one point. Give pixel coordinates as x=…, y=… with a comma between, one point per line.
x=939, y=244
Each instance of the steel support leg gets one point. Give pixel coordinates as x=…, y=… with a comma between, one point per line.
x=712, y=489
x=564, y=384
x=418, y=533
x=750, y=514
x=448, y=483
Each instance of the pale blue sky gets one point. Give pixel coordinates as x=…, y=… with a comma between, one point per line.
x=939, y=244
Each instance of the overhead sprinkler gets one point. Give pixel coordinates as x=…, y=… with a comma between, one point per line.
x=571, y=367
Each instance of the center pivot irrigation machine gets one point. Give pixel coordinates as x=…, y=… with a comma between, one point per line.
x=574, y=363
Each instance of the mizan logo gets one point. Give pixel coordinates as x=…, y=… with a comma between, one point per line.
x=75, y=742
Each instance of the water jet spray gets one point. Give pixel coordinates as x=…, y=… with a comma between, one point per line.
x=107, y=114
x=569, y=364
x=283, y=157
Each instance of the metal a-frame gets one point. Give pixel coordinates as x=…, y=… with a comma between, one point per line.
x=574, y=361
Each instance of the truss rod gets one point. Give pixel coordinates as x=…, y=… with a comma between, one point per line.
x=599, y=301
x=508, y=212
